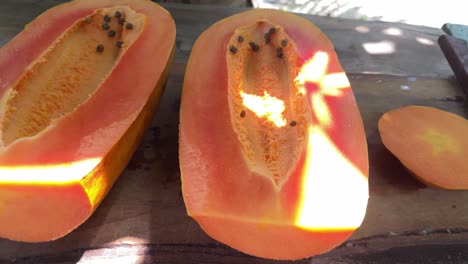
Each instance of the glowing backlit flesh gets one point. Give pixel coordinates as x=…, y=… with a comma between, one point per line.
x=56, y=174
x=322, y=156
x=326, y=168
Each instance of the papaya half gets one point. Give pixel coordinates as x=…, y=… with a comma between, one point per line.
x=78, y=87
x=431, y=143
x=273, y=154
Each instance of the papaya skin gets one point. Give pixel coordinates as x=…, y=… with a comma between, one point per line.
x=273, y=157
x=430, y=143
x=53, y=179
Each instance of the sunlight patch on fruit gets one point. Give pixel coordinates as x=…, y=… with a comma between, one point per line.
x=314, y=69
x=326, y=168
x=334, y=83
x=265, y=106
x=315, y=72
x=55, y=174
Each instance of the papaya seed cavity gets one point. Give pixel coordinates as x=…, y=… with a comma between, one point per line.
x=262, y=96
x=67, y=73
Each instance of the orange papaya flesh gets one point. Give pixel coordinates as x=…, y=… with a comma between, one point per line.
x=79, y=87
x=430, y=143
x=273, y=154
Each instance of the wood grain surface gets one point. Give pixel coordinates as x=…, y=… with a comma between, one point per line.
x=143, y=218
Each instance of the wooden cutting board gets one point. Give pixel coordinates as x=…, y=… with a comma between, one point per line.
x=144, y=215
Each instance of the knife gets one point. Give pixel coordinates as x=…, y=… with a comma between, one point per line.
x=454, y=45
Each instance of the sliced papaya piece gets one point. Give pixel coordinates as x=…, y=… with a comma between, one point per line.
x=79, y=86
x=272, y=149
x=431, y=143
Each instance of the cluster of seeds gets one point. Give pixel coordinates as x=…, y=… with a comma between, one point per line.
x=268, y=35
x=255, y=47
x=110, y=32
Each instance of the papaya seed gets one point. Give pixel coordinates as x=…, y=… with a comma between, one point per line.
x=129, y=26
x=279, y=52
x=88, y=20
x=105, y=26
x=100, y=48
x=293, y=123
x=254, y=46
x=242, y=114
x=119, y=44
x=111, y=33
x=121, y=21
x=284, y=42
x=272, y=31
x=233, y=49
x=240, y=39
x=267, y=37
x=107, y=18
x=118, y=14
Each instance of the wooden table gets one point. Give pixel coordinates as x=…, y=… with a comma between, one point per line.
x=143, y=219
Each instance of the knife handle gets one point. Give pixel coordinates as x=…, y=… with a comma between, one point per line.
x=456, y=52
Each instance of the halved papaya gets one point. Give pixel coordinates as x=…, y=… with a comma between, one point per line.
x=78, y=87
x=272, y=151
x=431, y=143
